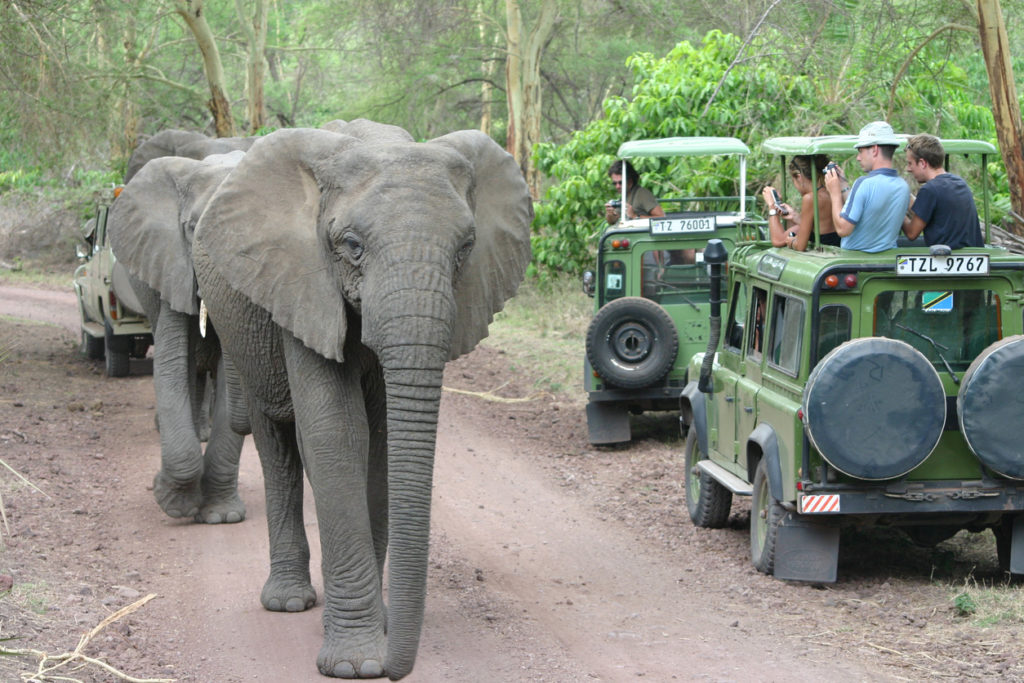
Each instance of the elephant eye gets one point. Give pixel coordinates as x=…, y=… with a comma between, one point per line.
x=463, y=253
x=352, y=247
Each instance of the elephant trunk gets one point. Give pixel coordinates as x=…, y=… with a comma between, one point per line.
x=413, y=399
x=413, y=355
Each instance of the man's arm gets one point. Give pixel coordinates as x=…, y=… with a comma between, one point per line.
x=833, y=183
x=913, y=225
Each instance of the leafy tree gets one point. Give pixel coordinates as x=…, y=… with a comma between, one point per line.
x=693, y=91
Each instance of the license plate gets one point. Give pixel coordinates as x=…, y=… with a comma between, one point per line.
x=954, y=264
x=674, y=226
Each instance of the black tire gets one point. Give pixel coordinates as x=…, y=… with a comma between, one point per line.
x=874, y=408
x=632, y=343
x=92, y=347
x=765, y=515
x=118, y=360
x=988, y=404
x=707, y=501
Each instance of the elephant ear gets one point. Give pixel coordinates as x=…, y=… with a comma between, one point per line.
x=166, y=143
x=147, y=234
x=369, y=131
x=200, y=149
x=259, y=233
x=503, y=211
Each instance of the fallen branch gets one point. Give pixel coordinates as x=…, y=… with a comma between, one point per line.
x=48, y=664
x=490, y=395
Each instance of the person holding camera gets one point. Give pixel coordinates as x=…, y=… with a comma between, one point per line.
x=786, y=227
x=872, y=216
x=640, y=202
x=944, y=208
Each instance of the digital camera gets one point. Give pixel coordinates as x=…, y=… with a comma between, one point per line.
x=615, y=203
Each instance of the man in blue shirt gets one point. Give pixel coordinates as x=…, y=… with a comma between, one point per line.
x=872, y=216
x=944, y=208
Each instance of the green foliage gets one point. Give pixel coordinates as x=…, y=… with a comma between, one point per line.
x=693, y=91
x=964, y=604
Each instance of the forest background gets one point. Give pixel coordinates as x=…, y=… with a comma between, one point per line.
x=560, y=83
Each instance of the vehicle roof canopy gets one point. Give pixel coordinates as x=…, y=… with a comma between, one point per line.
x=844, y=144
x=678, y=147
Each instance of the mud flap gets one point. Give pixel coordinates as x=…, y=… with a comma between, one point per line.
x=607, y=423
x=1017, y=546
x=806, y=550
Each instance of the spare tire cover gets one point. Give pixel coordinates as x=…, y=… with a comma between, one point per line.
x=632, y=342
x=990, y=406
x=874, y=408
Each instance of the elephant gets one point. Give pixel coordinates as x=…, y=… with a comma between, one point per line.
x=181, y=143
x=151, y=226
x=343, y=268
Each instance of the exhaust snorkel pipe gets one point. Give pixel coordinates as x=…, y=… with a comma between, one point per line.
x=715, y=256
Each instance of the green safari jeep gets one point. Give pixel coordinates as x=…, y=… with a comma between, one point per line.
x=849, y=388
x=651, y=293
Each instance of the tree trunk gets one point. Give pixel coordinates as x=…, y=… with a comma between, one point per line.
x=195, y=17
x=1005, y=106
x=256, y=36
x=523, y=87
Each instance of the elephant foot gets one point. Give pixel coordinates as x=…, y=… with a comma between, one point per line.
x=228, y=509
x=287, y=595
x=177, y=499
x=360, y=653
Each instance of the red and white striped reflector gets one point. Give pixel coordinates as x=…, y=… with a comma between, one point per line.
x=815, y=504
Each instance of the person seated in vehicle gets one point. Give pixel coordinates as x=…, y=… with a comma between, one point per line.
x=640, y=202
x=798, y=234
x=944, y=208
x=872, y=216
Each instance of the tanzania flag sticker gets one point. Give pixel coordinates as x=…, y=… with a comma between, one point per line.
x=937, y=302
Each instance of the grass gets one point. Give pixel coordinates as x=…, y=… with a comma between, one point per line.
x=988, y=605
x=51, y=278
x=542, y=331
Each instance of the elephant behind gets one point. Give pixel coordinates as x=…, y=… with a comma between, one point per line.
x=151, y=227
x=181, y=143
x=343, y=268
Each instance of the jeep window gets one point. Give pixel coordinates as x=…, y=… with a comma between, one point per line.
x=675, y=276
x=737, y=314
x=614, y=279
x=756, y=327
x=786, y=333
x=946, y=326
x=833, y=327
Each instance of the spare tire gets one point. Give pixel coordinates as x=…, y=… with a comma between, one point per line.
x=632, y=343
x=874, y=408
x=989, y=407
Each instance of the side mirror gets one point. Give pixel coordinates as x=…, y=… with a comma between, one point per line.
x=588, y=283
x=82, y=250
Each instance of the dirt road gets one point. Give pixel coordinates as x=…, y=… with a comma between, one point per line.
x=550, y=560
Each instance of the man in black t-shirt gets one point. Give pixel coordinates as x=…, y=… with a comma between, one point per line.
x=944, y=208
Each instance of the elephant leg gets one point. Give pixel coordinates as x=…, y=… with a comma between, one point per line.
x=288, y=588
x=221, y=503
x=330, y=413
x=177, y=486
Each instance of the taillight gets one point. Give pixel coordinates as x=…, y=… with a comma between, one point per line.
x=113, y=304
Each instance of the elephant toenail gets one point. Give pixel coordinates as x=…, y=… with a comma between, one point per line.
x=371, y=668
x=344, y=670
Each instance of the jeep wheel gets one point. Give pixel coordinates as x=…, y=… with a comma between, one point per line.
x=988, y=406
x=118, y=362
x=765, y=515
x=874, y=408
x=707, y=501
x=632, y=343
x=92, y=347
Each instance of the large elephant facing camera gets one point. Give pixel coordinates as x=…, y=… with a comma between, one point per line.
x=151, y=226
x=343, y=269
